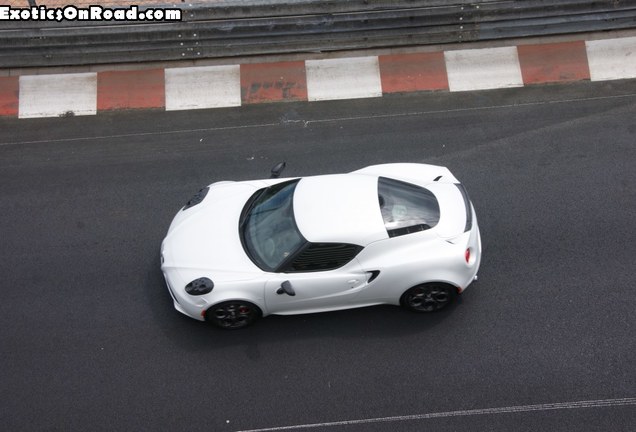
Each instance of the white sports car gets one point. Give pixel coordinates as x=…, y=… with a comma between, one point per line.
x=401, y=234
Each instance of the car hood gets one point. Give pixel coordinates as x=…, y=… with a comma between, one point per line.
x=206, y=237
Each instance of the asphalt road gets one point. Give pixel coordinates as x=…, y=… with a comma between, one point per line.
x=90, y=340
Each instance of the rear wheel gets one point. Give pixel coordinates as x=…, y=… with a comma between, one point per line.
x=429, y=297
x=233, y=314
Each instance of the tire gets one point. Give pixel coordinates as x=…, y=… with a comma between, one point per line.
x=233, y=314
x=428, y=297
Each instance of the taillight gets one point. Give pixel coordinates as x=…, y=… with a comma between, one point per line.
x=467, y=255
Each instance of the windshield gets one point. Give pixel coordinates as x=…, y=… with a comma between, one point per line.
x=268, y=229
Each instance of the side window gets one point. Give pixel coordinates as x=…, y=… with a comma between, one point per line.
x=323, y=256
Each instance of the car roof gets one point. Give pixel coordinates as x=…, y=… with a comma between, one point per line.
x=339, y=208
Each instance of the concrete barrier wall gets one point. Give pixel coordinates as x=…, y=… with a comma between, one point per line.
x=242, y=28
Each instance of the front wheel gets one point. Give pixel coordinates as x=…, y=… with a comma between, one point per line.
x=429, y=297
x=233, y=314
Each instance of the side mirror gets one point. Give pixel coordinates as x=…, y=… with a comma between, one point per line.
x=278, y=169
x=286, y=288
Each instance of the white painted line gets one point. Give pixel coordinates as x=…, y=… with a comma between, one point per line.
x=348, y=78
x=612, y=59
x=482, y=69
x=58, y=95
x=203, y=87
x=306, y=123
x=462, y=413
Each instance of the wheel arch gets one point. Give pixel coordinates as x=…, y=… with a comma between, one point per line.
x=235, y=296
x=451, y=284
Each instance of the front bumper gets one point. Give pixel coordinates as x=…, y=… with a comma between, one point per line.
x=194, y=307
x=184, y=303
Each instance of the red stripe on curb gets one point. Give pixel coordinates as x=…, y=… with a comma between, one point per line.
x=9, y=96
x=131, y=89
x=413, y=72
x=559, y=62
x=271, y=82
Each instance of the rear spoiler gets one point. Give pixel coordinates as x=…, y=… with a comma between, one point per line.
x=469, y=210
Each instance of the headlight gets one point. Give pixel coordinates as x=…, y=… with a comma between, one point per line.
x=199, y=286
x=197, y=198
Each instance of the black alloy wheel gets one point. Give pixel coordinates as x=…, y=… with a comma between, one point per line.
x=233, y=314
x=429, y=297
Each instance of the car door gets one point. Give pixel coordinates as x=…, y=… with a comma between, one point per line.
x=323, y=277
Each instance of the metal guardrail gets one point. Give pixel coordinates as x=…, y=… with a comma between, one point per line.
x=238, y=29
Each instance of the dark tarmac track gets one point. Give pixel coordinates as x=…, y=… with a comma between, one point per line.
x=90, y=340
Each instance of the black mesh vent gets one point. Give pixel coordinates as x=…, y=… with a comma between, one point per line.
x=324, y=256
x=197, y=198
x=408, y=230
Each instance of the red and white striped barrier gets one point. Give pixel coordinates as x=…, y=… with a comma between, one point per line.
x=187, y=88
